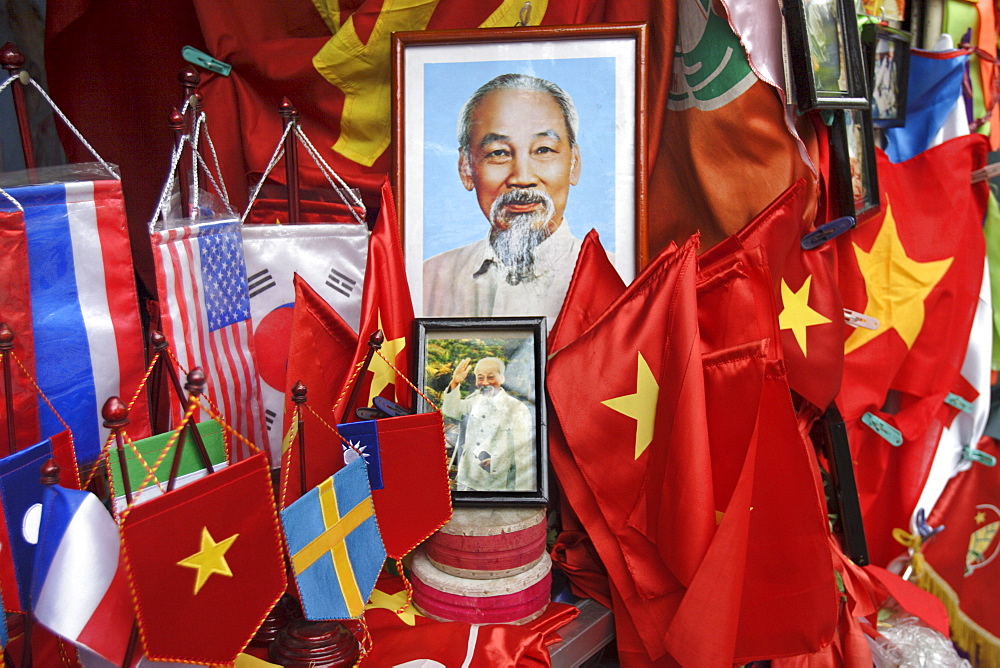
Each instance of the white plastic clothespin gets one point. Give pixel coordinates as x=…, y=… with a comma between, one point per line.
x=855, y=319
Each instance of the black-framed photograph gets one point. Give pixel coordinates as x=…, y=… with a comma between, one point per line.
x=510, y=146
x=487, y=377
x=825, y=53
x=853, y=147
x=887, y=61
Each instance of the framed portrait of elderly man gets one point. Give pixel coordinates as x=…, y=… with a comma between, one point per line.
x=486, y=375
x=511, y=145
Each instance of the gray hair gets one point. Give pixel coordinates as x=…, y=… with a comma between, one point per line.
x=522, y=82
x=495, y=361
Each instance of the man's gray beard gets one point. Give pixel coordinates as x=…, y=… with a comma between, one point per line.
x=488, y=391
x=515, y=245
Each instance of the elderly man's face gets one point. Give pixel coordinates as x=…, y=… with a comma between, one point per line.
x=519, y=142
x=487, y=375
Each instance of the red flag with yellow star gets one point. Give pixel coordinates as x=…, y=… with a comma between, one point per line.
x=206, y=564
x=629, y=481
x=916, y=269
x=810, y=312
x=386, y=306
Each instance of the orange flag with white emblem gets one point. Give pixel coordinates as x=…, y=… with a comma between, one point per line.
x=916, y=269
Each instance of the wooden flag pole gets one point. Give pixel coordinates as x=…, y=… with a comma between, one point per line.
x=375, y=342
x=195, y=386
x=176, y=125
x=12, y=60
x=290, y=117
x=299, y=397
x=6, y=350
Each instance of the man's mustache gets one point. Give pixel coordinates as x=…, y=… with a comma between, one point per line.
x=520, y=196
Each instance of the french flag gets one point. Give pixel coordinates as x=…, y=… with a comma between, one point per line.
x=80, y=585
x=88, y=340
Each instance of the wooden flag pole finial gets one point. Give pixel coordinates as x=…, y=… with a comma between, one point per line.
x=195, y=386
x=375, y=342
x=50, y=472
x=6, y=349
x=115, y=414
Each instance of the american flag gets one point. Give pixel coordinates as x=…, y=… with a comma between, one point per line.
x=201, y=278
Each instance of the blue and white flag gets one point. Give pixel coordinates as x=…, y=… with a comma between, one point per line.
x=21, y=492
x=88, y=339
x=363, y=439
x=335, y=545
x=80, y=585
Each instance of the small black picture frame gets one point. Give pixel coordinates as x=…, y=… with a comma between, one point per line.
x=852, y=143
x=825, y=53
x=887, y=63
x=487, y=376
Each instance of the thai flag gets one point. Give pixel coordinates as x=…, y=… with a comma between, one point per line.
x=80, y=585
x=202, y=282
x=88, y=340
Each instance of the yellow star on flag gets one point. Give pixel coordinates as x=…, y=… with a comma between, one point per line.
x=211, y=558
x=382, y=373
x=980, y=517
x=896, y=286
x=797, y=315
x=640, y=406
x=393, y=603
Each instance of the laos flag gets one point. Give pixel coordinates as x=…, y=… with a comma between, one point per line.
x=80, y=586
x=88, y=340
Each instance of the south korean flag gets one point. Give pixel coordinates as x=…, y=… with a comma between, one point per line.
x=331, y=257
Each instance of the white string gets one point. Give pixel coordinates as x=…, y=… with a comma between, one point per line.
x=275, y=157
x=72, y=127
x=218, y=167
x=168, y=187
x=11, y=198
x=344, y=190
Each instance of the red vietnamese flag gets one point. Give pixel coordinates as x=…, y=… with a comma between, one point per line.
x=595, y=284
x=319, y=356
x=810, y=312
x=644, y=496
x=206, y=564
x=765, y=475
x=917, y=269
x=959, y=565
x=386, y=306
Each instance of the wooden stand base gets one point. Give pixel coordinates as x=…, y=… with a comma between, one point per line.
x=307, y=644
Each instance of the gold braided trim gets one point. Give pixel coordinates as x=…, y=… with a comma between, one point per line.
x=982, y=646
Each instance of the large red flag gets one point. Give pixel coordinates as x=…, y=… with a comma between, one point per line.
x=386, y=306
x=646, y=492
x=917, y=269
x=319, y=356
x=772, y=541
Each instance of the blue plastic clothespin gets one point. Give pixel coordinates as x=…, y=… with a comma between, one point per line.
x=973, y=455
x=883, y=429
x=961, y=403
x=827, y=231
x=202, y=59
x=925, y=530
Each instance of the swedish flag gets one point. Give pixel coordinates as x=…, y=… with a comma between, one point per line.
x=335, y=545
